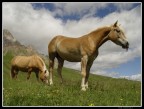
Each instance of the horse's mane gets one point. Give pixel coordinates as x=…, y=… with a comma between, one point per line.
x=106, y=28
x=41, y=61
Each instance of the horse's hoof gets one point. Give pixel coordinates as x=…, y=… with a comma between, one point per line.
x=51, y=84
x=83, y=89
x=86, y=87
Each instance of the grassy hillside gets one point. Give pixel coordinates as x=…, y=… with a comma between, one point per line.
x=103, y=91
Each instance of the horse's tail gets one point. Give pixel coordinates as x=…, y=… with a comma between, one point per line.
x=12, y=74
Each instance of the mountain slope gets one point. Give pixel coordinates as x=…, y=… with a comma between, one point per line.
x=103, y=91
x=11, y=44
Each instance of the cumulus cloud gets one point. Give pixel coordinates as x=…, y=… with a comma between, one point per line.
x=105, y=73
x=137, y=77
x=106, y=61
x=38, y=27
x=123, y=6
x=29, y=26
x=79, y=9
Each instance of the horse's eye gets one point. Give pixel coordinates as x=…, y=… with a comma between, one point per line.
x=118, y=31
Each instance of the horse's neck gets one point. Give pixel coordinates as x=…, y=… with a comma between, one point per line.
x=100, y=36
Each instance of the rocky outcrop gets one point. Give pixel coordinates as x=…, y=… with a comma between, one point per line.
x=11, y=44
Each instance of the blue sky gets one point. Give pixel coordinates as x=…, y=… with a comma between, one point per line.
x=128, y=68
x=100, y=13
x=76, y=19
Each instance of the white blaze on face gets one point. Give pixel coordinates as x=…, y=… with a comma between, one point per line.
x=45, y=69
x=46, y=74
x=123, y=39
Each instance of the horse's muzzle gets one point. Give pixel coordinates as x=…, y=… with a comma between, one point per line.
x=125, y=46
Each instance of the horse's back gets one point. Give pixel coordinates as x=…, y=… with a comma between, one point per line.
x=57, y=40
x=23, y=63
x=66, y=47
x=54, y=41
x=20, y=61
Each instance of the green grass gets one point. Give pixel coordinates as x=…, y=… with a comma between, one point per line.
x=103, y=91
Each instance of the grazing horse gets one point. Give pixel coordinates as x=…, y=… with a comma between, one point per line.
x=29, y=64
x=83, y=49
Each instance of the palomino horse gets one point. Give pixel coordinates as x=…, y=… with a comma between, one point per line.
x=83, y=49
x=29, y=64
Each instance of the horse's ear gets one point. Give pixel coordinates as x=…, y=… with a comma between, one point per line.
x=115, y=24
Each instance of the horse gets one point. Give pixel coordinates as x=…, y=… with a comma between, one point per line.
x=29, y=64
x=83, y=49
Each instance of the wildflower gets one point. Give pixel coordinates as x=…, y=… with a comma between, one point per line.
x=91, y=104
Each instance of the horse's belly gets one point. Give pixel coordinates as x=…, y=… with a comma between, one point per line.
x=23, y=69
x=70, y=57
x=69, y=49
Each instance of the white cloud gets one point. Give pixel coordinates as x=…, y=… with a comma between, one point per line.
x=38, y=27
x=123, y=6
x=78, y=8
x=73, y=65
x=105, y=73
x=118, y=58
x=136, y=77
x=30, y=26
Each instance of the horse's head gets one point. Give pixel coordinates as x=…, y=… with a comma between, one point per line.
x=44, y=76
x=117, y=36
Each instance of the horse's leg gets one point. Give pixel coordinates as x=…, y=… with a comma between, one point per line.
x=16, y=73
x=60, y=65
x=12, y=72
x=89, y=64
x=51, y=65
x=83, y=71
x=37, y=75
x=29, y=73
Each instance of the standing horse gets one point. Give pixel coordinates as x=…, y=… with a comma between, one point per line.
x=29, y=64
x=83, y=49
